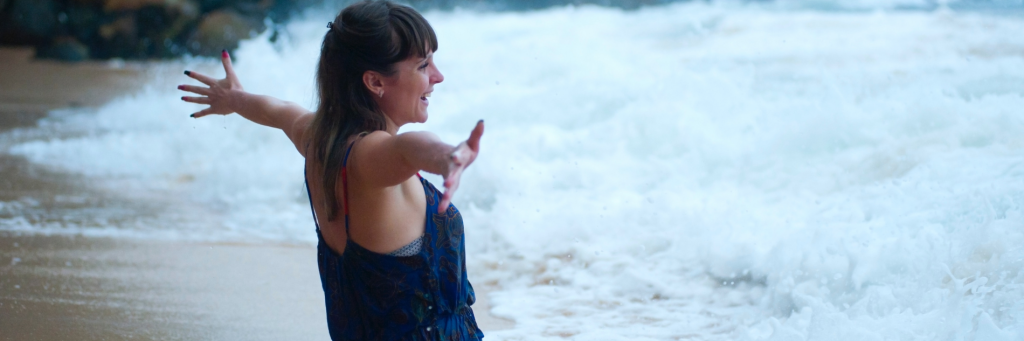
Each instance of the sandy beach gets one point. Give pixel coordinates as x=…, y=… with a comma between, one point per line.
x=76, y=288
x=70, y=287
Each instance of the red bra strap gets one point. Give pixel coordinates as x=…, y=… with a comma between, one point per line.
x=344, y=184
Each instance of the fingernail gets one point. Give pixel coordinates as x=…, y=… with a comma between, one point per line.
x=481, y=121
x=192, y=115
x=188, y=73
x=223, y=53
x=181, y=87
x=182, y=98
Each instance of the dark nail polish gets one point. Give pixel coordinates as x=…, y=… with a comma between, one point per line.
x=182, y=98
x=188, y=73
x=223, y=53
x=192, y=115
x=181, y=87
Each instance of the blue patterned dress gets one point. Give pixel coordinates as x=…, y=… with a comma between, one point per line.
x=427, y=296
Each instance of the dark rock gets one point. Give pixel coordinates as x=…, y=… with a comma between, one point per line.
x=142, y=29
x=210, y=5
x=29, y=22
x=83, y=21
x=162, y=31
x=118, y=38
x=64, y=48
x=123, y=26
x=221, y=30
x=177, y=6
x=253, y=7
x=527, y=5
x=153, y=20
x=281, y=10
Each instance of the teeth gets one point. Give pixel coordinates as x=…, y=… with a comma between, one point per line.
x=428, y=95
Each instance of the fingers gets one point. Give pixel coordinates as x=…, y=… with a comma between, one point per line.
x=453, y=178
x=446, y=198
x=460, y=158
x=197, y=100
x=201, y=77
x=228, y=69
x=474, y=137
x=451, y=184
x=195, y=89
x=456, y=158
x=204, y=112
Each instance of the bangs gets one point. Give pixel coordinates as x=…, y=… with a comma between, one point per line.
x=412, y=33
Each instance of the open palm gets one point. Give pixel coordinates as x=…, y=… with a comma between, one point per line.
x=218, y=94
x=463, y=155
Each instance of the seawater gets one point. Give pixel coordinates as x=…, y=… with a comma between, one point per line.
x=690, y=171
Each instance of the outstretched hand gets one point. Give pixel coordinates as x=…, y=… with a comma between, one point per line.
x=219, y=94
x=458, y=160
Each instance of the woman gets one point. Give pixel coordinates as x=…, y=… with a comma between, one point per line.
x=391, y=253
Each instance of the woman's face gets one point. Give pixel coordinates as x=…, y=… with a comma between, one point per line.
x=407, y=92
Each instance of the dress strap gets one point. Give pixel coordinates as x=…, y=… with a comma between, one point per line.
x=310, y=196
x=344, y=183
x=344, y=186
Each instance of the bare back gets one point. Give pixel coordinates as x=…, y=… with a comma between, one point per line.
x=382, y=219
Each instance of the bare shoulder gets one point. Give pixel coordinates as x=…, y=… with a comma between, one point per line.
x=376, y=161
x=299, y=131
x=374, y=138
x=369, y=147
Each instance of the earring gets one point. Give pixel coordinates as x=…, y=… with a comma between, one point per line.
x=380, y=94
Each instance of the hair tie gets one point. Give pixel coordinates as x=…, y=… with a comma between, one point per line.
x=330, y=24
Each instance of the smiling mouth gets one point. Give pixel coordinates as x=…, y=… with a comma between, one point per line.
x=424, y=97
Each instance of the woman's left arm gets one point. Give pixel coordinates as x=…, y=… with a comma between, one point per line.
x=226, y=96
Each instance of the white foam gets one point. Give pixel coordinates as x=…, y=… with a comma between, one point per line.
x=690, y=171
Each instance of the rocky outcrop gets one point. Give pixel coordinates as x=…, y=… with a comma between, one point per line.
x=147, y=29
x=222, y=29
x=74, y=30
x=64, y=48
x=526, y=5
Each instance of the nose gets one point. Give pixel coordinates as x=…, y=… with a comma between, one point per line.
x=436, y=76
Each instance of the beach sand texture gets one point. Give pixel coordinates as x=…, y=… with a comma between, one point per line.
x=66, y=287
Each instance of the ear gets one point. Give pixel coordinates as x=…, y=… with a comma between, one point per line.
x=373, y=81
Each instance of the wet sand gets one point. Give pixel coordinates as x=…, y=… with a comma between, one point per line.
x=63, y=287
x=28, y=88
x=77, y=288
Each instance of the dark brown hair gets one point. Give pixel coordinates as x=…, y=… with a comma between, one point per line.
x=366, y=36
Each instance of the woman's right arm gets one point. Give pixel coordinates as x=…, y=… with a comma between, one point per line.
x=272, y=112
x=226, y=96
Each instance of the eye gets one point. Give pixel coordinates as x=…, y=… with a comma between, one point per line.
x=424, y=66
